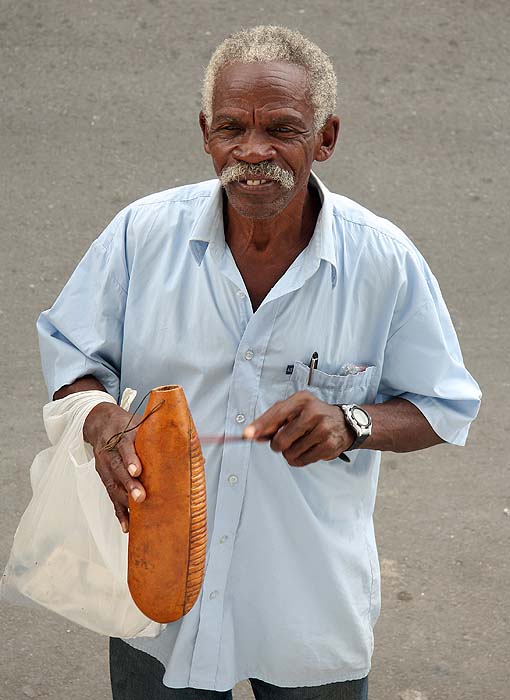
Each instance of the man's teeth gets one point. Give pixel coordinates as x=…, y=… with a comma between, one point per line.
x=256, y=182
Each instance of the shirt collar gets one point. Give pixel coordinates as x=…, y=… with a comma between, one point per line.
x=323, y=238
x=208, y=229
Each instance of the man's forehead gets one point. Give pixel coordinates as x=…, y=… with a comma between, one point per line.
x=276, y=84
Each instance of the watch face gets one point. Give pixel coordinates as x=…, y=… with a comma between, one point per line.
x=360, y=417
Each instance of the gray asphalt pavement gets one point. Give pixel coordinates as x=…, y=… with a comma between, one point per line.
x=99, y=106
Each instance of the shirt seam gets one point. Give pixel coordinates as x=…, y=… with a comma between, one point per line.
x=169, y=201
x=146, y=235
x=322, y=680
x=108, y=252
x=407, y=246
x=418, y=310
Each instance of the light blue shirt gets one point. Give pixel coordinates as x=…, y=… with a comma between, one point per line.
x=292, y=587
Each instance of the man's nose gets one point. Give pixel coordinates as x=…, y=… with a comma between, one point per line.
x=254, y=147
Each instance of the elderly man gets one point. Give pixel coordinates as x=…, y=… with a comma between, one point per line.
x=293, y=314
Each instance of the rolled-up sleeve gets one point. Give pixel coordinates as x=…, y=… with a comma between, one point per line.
x=82, y=332
x=423, y=363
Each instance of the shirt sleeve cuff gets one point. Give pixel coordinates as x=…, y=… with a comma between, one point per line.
x=63, y=377
x=448, y=418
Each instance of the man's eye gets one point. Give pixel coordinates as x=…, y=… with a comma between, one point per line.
x=229, y=127
x=282, y=129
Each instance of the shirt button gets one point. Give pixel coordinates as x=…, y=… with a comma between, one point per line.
x=223, y=539
x=213, y=594
x=240, y=418
x=240, y=294
x=249, y=354
x=232, y=479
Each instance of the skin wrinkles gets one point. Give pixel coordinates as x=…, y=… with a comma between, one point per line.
x=241, y=83
x=262, y=112
x=267, y=118
x=272, y=82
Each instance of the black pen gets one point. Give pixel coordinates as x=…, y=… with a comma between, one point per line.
x=314, y=361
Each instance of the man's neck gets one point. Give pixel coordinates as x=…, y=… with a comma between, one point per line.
x=286, y=234
x=264, y=249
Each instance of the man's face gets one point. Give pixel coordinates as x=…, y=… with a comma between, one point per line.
x=261, y=136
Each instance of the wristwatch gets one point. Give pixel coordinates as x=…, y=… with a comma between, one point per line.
x=359, y=420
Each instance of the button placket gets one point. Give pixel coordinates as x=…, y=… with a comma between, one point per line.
x=241, y=405
x=245, y=309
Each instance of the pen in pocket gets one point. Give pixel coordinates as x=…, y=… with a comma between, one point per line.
x=314, y=361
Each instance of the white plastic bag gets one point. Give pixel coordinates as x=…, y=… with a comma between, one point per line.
x=69, y=553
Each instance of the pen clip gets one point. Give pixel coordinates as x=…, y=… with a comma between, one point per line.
x=314, y=361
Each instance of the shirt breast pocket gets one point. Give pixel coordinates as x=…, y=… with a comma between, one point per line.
x=333, y=388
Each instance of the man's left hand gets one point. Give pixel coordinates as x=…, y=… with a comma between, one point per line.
x=303, y=428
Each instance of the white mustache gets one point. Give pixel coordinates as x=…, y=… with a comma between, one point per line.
x=265, y=170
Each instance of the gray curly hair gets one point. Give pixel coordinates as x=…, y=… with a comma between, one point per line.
x=267, y=43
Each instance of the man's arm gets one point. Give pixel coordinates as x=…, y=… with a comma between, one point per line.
x=88, y=383
x=82, y=334
x=399, y=426
x=305, y=429
x=117, y=467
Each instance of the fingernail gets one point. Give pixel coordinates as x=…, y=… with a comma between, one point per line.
x=124, y=527
x=132, y=469
x=249, y=432
x=136, y=493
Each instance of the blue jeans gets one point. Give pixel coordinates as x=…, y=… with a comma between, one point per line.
x=136, y=675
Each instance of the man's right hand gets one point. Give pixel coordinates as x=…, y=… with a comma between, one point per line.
x=118, y=466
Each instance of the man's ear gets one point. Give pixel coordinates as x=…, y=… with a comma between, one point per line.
x=326, y=138
x=205, y=131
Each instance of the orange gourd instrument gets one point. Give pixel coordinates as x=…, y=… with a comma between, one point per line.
x=168, y=531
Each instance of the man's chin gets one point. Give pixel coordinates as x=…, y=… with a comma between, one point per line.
x=257, y=207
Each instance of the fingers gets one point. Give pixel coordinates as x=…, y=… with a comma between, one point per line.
x=114, y=470
x=119, y=467
x=123, y=477
x=282, y=412
x=313, y=447
x=117, y=494
x=298, y=427
x=127, y=451
x=303, y=428
x=122, y=513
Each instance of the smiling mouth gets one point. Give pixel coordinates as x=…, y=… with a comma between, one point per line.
x=254, y=183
